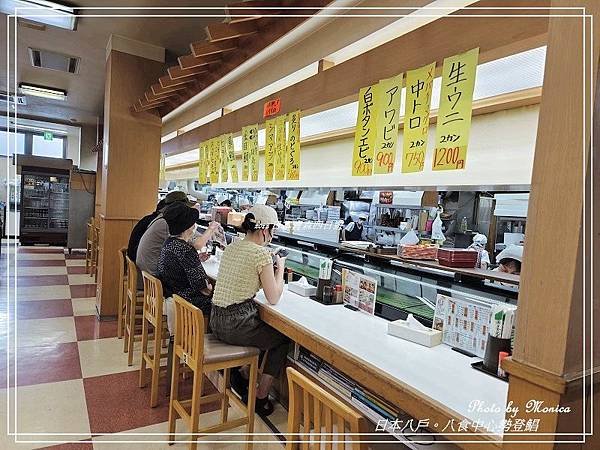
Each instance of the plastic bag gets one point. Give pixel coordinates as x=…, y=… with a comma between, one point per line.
x=436, y=230
x=410, y=238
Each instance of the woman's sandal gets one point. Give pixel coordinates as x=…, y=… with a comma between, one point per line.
x=263, y=406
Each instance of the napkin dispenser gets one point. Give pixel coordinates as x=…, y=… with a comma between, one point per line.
x=414, y=331
x=302, y=287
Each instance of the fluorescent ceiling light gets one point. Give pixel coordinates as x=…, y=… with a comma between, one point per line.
x=41, y=91
x=41, y=11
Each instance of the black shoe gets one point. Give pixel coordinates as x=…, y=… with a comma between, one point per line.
x=264, y=407
x=238, y=383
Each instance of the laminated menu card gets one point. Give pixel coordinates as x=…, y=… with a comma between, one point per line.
x=360, y=291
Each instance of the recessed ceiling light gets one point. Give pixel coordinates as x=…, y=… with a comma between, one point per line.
x=42, y=91
x=41, y=11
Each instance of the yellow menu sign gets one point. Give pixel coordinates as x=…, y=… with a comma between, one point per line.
x=269, y=149
x=202, y=163
x=388, y=114
x=162, y=174
x=280, y=147
x=454, y=113
x=293, y=147
x=419, y=85
x=223, y=157
x=245, y=154
x=253, y=140
x=230, y=152
x=366, y=131
x=214, y=160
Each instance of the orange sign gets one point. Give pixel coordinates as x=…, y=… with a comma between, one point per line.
x=272, y=107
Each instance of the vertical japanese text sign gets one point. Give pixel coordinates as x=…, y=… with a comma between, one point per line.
x=293, y=147
x=224, y=159
x=202, y=163
x=252, y=131
x=162, y=174
x=280, y=145
x=269, y=149
x=366, y=131
x=245, y=154
x=454, y=113
x=388, y=114
x=419, y=84
x=230, y=151
x=214, y=160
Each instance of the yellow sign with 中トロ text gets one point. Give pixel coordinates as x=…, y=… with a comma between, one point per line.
x=388, y=113
x=280, y=147
x=419, y=86
x=293, y=147
x=269, y=149
x=366, y=131
x=454, y=114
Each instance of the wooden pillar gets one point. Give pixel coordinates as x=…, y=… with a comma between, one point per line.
x=548, y=361
x=130, y=166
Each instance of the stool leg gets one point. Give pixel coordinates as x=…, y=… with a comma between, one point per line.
x=174, y=397
x=251, y=401
x=126, y=325
x=169, y=364
x=156, y=365
x=225, y=399
x=132, y=310
x=143, y=377
x=195, y=411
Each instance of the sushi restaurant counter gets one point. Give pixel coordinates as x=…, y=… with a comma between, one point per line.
x=427, y=383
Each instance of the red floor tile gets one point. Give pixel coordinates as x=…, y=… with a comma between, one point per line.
x=115, y=402
x=47, y=364
x=44, y=309
x=71, y=446
x=89, y=327
x=83, y=290
x=41, y=263
x=39, y=250
x=76, y=270
x=43, y=280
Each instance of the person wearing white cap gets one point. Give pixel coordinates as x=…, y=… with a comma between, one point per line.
x=510, y=259
x=246, y=267
x=354, y=231
x=479, y=243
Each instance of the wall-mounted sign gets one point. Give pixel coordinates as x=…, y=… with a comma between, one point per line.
x=202, y=156
x=269, y=149
x=48, y=136
x=280, y=145
x=454, y=113
x=231, y=158
x=272, y=107
x=365, y=135
x=293, y=147
x=387, y=124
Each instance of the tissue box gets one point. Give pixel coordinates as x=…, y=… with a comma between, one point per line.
x=305, y=290
x=428, y=338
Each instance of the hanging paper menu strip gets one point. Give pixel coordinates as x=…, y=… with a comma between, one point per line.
x=230, y=152
x=419, y=85
x=293, y=147
x=162, y=174
x=245, y=154
x=202, y=163
x=366, y=131
x=280, y=146
x=253, y=151
x=223, y=158
x=388, y=115
x=454, y=113
x=214, y=161
x=269, y=149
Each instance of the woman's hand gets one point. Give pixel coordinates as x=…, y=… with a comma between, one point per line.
x=204, y=256
x=280, y=263
x=208, y=289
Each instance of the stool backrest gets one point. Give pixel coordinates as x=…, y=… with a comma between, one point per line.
x=131, y=280
x=123, y=262
x=153, y=299
x=319, y=407
x=189, y=332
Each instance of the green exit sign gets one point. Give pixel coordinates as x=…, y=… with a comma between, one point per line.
x=48, y=136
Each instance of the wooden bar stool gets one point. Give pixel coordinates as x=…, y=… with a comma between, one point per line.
x=152, y=316
x=202, y=354
x=89, y=246
x=96, y=251
x=122, y=291
x=315, y=405
x=133, y=311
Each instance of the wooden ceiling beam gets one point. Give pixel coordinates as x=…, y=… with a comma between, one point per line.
x=223, y=30
x=212, y=48
x=190, y=61
x=167, y=82
x=176, y=72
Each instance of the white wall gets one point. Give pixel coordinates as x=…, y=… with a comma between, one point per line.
x=500, y=153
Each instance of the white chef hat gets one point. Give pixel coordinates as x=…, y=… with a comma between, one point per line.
x=512, y=251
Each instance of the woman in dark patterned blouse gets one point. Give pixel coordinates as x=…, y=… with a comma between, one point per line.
x=179, y=265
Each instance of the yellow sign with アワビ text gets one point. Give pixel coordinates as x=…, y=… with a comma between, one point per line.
x=419, y=85
x=269, y=149
x=280, y=147
x=388, y=114
x=202, y=163
x=454, y=114
x=366, y=131
x=230, y=152
x=293, y=147
x=223, y=156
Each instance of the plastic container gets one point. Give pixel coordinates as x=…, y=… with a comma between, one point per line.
x=457, y=257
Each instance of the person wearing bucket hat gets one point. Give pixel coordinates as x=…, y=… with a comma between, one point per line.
x=179, y=266
x=246, y=267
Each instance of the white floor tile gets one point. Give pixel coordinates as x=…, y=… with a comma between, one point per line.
x=40, y=256
x=41, y=293
x=35, y=271
x=84, y=306
x=80, y=279
x=46, y=331
x=75, y=262
x=105, y=356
